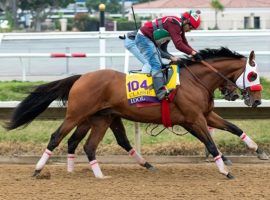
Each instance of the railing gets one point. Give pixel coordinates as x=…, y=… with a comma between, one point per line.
x=102, y=36
x=102, y=56
x=228, y=110
x=115, y=34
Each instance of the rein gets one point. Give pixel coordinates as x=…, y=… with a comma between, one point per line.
x=199, y=80
x=217, y=72
x=221, y=75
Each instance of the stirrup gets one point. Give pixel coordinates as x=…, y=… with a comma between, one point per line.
x=163, y=93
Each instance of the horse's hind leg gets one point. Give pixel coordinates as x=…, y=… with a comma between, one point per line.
x=98, y=130
x=120, y=134
x=55, y=140
x=74, y=141
x=216, y=121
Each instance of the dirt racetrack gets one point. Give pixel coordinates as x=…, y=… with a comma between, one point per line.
x=130, y=181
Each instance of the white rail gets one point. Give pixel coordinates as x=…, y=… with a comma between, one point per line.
x=220, y=103
x=102, y=57
x=115, y=34
x=235, y=108
x=102, y=35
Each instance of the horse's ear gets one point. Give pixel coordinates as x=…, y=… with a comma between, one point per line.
x=252, y=58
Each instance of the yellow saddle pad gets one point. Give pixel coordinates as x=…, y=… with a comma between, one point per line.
x=138, y=86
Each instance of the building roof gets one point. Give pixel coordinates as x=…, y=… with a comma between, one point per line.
x=204, y=4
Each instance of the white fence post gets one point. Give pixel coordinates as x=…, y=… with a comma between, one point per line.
x=137, y=137
x=67, y=61
x=23, y=69
x=1, y=37
x=126, y=61
x=102, y=48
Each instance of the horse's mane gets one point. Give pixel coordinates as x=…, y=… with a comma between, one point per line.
x=214, y=53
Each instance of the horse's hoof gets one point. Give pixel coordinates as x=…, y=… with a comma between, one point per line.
x=262, y=155
x=230, y=176
x=36, y=173
x=103, y=177
x=150, y=167
x=227, y=162
x=44, y=175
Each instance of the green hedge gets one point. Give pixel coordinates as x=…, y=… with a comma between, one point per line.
x=83, y=22
x=126, y=25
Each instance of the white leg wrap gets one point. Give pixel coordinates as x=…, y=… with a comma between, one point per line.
x=250, y=143
x=70, y=162
x=220, y=164
x=43, y=160
x=134, y=154
x=211, y=130
x=96, y=169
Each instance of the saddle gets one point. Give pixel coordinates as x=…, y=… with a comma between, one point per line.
x=139, y=86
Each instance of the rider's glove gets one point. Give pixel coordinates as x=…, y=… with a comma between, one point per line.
x=180, y=62
x=197, y=57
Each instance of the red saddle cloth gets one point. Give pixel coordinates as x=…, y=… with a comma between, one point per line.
x=165, y=109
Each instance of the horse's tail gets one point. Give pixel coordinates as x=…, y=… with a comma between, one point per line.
x=39, y=100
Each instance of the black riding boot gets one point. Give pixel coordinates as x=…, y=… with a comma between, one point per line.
x=158, y=83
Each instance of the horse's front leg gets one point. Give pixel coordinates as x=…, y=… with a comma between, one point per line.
x=199, y=129
x=214, y=120
x=226, y=160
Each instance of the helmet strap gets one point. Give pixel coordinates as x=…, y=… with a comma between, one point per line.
x=185, y=21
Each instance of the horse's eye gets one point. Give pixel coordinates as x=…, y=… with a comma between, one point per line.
x=252, y=76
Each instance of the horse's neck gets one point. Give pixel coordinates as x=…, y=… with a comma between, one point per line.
x=230, y=68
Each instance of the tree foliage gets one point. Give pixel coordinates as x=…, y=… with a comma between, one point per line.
x=217, y=6
x=38, y=8
x=112, y=6
x=5, y=5
x=42, y=4
x=144, y=1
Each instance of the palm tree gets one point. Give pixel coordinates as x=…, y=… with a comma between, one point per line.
x=218, y=7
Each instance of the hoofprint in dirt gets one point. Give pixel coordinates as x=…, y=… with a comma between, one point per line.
x=129, y=181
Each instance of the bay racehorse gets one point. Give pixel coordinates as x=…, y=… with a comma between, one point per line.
x=98, y=120
x=104, y=92
x=228, y=91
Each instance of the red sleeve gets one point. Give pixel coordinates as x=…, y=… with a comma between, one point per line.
x=178, y=37
x=185, y=40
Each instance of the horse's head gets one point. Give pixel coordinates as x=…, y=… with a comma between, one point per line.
x=229, y=92
x=246, y=80
x=249, y=82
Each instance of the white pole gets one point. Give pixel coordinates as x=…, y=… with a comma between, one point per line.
x=114, y=25
x=1, y=37
x=137, y=137
x=126, y=61
x=102, y=49
x=23, y=70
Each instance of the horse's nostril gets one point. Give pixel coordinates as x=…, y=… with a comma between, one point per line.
x=235, y=96
x=258, y=102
